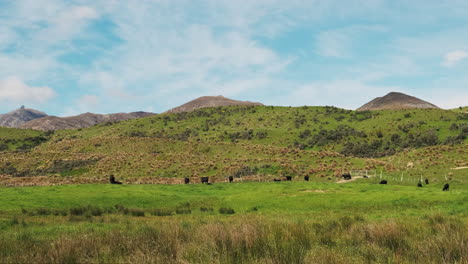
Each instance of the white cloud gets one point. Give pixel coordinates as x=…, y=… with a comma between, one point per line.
x=82, y=12
x=333, y=44
x=341, y=42
x=88, y=100
x=454, y=57
x=14, y=90
x=86, y=103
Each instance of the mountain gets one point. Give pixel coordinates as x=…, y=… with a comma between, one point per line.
x=395, y=101
x=80, y=121
x=20, y=116
x=209, y=101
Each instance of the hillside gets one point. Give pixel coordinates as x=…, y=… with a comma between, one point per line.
x=252, y=141
x=52, y=123
x=21, y=139
x=210, y=101
x=20, y=116
x=395, y=101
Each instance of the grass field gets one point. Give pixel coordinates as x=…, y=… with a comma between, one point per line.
x=286, y=222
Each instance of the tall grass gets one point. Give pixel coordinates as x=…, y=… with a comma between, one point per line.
x=242, y=239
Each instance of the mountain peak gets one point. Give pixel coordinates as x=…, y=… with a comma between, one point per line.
x=20, y=116
x=209, y=101
x=395, y=101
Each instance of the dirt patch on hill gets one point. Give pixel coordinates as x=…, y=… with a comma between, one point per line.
x=460, y=168
x=314, y=191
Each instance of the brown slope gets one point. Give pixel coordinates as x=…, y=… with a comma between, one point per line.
x=209, y=101
x=80, y=121
x=20, y=116
x=395, y=101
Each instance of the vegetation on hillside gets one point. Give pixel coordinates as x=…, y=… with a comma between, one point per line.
x=241, y=141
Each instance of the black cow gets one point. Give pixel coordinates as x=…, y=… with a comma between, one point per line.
x=306, y=178
x=346, y=176
x=383, y=182
x=231, y=179
x=446, y=187
x=426, y=181
x=204, y=179
x=419, y=184
x=187, y=180
x=113, y=181
x=276, y=180
x=288, y=178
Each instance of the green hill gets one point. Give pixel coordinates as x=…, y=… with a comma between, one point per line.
x=21, y=139
x=260, y=142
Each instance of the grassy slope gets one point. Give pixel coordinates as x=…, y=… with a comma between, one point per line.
x=14, y=138
x=201, y=144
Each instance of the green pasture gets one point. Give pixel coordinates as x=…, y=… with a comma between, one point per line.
x=275, y=199
x=284, y=222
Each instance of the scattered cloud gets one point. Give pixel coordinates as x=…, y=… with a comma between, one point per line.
x=454, y=57
x=14, y=90
x=161, y=53
x=84, y=104
x=333, y=44
x=344, y=42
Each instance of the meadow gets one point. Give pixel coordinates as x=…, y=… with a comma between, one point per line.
x=246, y=222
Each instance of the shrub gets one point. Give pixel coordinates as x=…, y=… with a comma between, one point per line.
x=43, y=211
x=206, y=209
x=137, y=212
x=226, y=210
x=3, y=147
x=86, y=210
x=162, y=212
x=183, y=210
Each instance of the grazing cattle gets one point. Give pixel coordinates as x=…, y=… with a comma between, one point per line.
x=346, y=176
x=187, y=180
x=231, y=179
x=426, y=181
x=276, y=180
x=419, y=184
x=383, y=182
x=288, y=178
x=446, y=187
x=113, y=181
x=204, y=179
x=306, y=178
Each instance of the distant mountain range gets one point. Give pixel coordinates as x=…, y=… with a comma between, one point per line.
x=33, y=119
x=80, y=121
x=395, y=101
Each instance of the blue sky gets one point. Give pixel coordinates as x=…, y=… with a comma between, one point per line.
x=66, y=57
